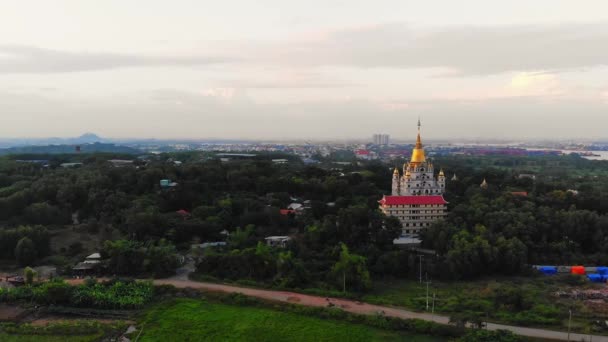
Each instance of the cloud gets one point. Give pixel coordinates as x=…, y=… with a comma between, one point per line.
x=462, y=50
x=28, y=59
x=458, y=50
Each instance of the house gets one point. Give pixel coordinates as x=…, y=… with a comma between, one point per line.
x=286, y=212
x=88, y=266
x=519, y=193
x=183, y=213
x=167, y=183
x=277, y=241
x=296, y=206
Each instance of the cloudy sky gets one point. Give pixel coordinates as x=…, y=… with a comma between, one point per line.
x=276, y=69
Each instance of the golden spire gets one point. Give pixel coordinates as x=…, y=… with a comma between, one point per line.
x=418, y=140
x=418, y=152
x=484, y=184
x=396, y=172
x=441, y=174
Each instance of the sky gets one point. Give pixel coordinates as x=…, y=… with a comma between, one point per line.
x=329, y=69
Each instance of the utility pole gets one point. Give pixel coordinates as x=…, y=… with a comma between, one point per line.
x=427, y=293
x=420, y=256
x=433, y=309
x=569, y=320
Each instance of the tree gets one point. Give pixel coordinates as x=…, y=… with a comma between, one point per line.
x=290, y=272
x=25, y=252
x=29, y=274
x=351, y=267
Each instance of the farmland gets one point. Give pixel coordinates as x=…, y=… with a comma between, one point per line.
x=182, y=319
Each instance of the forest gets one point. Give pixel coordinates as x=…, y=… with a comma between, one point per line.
x=341, y=241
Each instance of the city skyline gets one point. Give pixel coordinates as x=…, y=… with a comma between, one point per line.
x=276, y=71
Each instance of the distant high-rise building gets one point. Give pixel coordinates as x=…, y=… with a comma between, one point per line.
x=381, y=139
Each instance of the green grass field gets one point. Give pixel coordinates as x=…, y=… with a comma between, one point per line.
x=198, y=320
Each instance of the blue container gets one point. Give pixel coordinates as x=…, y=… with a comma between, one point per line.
x=602, y=270
x=548, y=270
x=595, y=278
x=165, y=182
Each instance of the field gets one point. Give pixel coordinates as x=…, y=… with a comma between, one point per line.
x=194, y=320
x=526, y=301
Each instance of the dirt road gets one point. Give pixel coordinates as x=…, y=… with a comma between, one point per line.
x=367, y=309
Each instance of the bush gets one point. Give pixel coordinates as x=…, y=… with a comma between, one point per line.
x=490, y=336
x=28, y=275
x=74, y=328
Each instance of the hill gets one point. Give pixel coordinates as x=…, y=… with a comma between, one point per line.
x=66, y=149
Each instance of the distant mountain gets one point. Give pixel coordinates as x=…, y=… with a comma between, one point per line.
x=88, y=138
x=66, y=149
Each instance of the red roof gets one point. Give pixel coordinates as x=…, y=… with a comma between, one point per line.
x=409, y=200
x=287, y=211
x=519, y=193
x=183, y=212
x=362, y=152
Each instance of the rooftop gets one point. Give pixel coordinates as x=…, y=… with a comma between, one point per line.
x=409, y=200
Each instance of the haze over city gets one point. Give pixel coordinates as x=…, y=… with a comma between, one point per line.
x=308, y=70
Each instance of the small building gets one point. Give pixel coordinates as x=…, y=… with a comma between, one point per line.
x=297, y=207
x=88, y=266
x=277, y=241
x=183, y=213
x=280, y=161
x=167, y=183
x=527, y=175
x=406, y=241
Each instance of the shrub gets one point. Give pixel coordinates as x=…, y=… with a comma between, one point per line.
x=29, y=274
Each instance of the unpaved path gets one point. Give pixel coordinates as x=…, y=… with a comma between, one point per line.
x=367, y=309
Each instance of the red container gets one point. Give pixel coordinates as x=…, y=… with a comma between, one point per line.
x=578, y=270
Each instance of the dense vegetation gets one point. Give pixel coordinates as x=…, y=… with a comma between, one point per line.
x=341, y=241
x=110, y=295
x=562, y=221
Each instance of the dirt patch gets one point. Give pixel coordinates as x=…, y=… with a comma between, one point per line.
x=11, y=313
x=293, y=299
x=46, y=320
